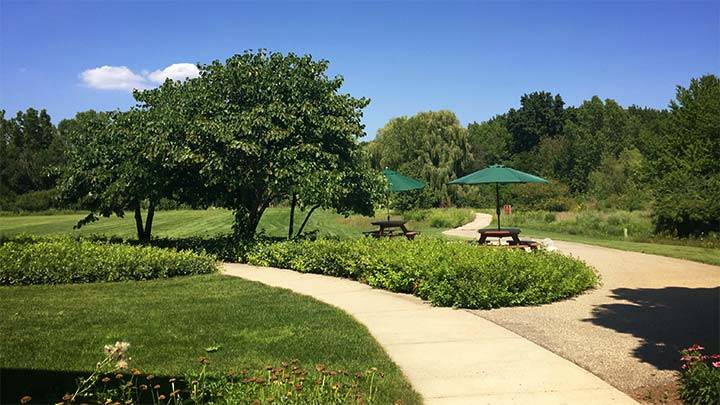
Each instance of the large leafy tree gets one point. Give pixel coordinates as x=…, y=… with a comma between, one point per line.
x=683, y=161
x=261, y=124
x=126, y=160
x=541, y=115
x=596, y=130
x=431, y=146
x=490, y=142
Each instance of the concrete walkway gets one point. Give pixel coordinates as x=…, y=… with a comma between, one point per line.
x=450, y=356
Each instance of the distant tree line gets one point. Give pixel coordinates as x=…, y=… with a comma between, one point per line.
x=263, y=128
x=597, y=153
x=31, y=153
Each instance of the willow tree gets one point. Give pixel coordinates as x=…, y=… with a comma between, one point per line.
x=431, y=146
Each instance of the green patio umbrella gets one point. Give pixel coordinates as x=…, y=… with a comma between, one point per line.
x=498, y=174
x=399, y=183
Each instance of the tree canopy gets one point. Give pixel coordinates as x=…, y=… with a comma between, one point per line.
x=258, y=128
x=31, y=152
x=684, y=161
x=432, y=146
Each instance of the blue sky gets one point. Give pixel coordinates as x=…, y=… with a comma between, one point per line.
x=474, y=58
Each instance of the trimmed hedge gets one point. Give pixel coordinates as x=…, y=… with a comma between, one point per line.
x=28, y=260
x=445, y=273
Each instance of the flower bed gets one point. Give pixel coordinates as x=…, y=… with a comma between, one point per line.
x=700, y=378
x=444, y=273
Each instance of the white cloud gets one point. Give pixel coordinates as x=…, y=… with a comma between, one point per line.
x=122, y=78
x=113, y=78
x=176, y=71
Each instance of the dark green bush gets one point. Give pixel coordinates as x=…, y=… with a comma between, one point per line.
x=445, y=273
x=29, y=260
x=38, y=200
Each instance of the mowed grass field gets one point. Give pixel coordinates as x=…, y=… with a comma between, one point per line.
x=185, y=223
x=51, y=334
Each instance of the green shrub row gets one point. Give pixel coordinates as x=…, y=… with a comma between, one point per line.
x=28, y=260
x=454, y=274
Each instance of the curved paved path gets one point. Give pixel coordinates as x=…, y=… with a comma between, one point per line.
x=450, y=356
x=470, y=229
x=630, y=329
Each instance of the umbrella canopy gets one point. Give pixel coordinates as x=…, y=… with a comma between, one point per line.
x=498, y=174
x=398, y=183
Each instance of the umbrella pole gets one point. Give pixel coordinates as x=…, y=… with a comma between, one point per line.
x=497, y=202
x=387, y=204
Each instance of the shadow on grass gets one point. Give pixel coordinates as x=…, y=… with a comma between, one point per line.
x=667, y=320
x=48, y=386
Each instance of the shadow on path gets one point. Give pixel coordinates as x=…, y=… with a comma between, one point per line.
x=666, y=319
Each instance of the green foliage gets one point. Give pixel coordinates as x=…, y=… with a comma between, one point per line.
x=350, y=188
x=430, y=146
x=700, y=377
x=287, y=382
x=261, y=122
x=552, y=196
x=589, y=223
x=445, y=273
x=684, y=164
x=618, y=182
x=596, y=129
x=30, y=260
x=122, y=160
x=441, y=217
x=490, y=142
x=540, y=115
x=33, y=201
x=31, y=150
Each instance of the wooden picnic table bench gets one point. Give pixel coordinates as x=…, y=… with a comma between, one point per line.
x=389, y=228
x=511, y=233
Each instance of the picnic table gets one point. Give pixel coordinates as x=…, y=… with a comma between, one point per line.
x=511, y=233
x=391, y=228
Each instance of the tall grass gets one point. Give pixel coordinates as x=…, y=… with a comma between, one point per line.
x=635, y=226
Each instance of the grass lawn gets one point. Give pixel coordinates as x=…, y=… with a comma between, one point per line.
x=49, y=333
x=184, y=223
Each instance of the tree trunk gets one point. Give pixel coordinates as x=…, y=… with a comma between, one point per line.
x=139, y=222
x=305, y=221
x=293, y=202
x=149, y=221
x=247, y=220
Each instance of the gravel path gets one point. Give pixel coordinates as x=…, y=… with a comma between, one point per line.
x=630, y=329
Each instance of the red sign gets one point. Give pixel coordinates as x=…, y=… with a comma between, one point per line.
x=507, y=209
